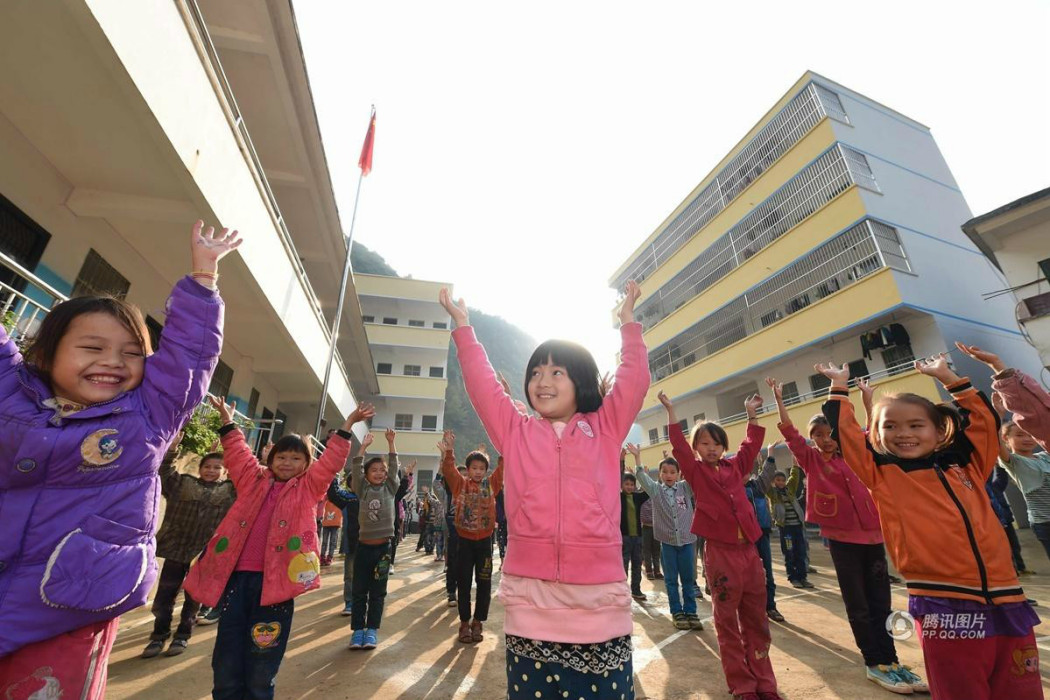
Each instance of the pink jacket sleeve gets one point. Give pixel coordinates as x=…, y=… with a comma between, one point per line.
x=744, y=459
x=621, y=405
x=319, y=475
x=805, y=455
x=1028, y=401
x=496, y=410
x=238, y=459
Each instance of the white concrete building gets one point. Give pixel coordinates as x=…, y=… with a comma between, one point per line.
x=123, y=122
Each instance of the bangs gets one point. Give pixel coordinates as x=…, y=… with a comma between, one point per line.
x=580, y=365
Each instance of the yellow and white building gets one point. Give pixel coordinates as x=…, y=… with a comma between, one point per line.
x=409, y=332
x=830, y=232
x=123, y=122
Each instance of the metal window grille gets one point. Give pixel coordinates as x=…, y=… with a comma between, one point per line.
x=654, y=436
x=97, y=277
x=403, y=421
x=795, y=120
x=417, y=324
x=838, y=263
x=384, y=368
x=889, y=241
x=859, y=168
x=898, y=359
x=790, y=393
x=221, y=380
x=413, y=370
x=814, y=186
x=437, y=372
x=430, y=424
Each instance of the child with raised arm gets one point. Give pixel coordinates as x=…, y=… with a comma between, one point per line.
x=86, y=417
x=378, y=483
x=265, y=552
x=672, y=501
x=734, y=571
x=790, y=521
x=840, y=503
x=567, y=611
x=475, y=497
x=926, y=466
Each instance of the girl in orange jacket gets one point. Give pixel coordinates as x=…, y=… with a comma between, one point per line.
x=926, y=465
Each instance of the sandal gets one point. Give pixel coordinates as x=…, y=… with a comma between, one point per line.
x=465, y=635
x=475, y=632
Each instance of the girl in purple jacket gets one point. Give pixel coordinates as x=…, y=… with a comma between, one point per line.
x=87, y=416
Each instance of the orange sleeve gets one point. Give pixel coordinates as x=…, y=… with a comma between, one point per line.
x=845, y=429
x=452, y=476
x=982, y=427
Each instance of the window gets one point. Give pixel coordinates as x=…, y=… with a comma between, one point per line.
x=1044, y=267
x=22, y=239
x=412, y=370
x=97, y=278
x=368, y=319
x=654, y=436
x=699, y=418
x=384, y=368
x=389, y=321
x=430, y=423
x=818, y=382
x=440, y=324
x=221, y=380
x=898, y=359
x=437, y=372
x=684, y=425
x=790, y=393
x=403, y=421
x=857, y=368
x=667, y=433
x=155, y=330
x=253, y=402
x=280, y=424
x=417, y=324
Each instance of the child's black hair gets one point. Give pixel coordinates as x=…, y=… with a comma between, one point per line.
x=477, y=455
x=818, y=421
x=212, y=455
x=290, y=443
x=717, y=433
x=582, y=369
x=779, y=474
x=369, y=462
x=671, y=461
x=629, y=477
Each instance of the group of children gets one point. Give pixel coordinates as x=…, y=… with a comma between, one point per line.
x=91, y=415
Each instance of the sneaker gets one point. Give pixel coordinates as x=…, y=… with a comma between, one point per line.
x=452, y=601
x=152, y=649
x=681, y=622
x=371, y=639
x=807, y=584
x=894, y=579
x=811, y=570
x=1026, y=572
x=774, y=615
x=659, y=576
x=211, y=618
x=357, y=639
x=649, y=575
x=639, y=596
x=176, y=647
x=694, y=622
x=348, y=610
x=886, y=677
x=204, y=610
x=918, y=685
x=797, y=584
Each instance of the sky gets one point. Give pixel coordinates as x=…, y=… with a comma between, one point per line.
x=523, y=152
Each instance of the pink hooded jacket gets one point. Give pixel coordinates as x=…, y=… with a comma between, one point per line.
x=292, y=565
x=563, y=495
x=1028, y=401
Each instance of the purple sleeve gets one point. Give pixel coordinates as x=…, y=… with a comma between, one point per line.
x=10, y=359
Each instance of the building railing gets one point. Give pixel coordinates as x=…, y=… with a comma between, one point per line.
x=813, y=187
x=845, y=259
x=210, y=55
x=788, y=127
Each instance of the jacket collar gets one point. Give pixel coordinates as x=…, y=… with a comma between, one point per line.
x=38, y=391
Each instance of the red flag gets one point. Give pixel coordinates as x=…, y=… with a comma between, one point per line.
x=365, y=161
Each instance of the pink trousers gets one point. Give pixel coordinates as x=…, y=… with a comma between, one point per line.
x=71, y=665
x=995, y=668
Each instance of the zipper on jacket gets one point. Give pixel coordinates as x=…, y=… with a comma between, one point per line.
x=558, y=516
x=969, y=533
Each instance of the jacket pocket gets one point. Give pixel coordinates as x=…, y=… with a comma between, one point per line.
x=96, y=566
x=825, y=504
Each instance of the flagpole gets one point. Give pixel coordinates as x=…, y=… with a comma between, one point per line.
x=339, y=305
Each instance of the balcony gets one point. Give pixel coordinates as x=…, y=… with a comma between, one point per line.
x=399, y=386
x=407, y=336
x=408, y=442
x=398, y=287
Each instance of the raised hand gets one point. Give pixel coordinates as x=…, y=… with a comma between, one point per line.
x=635, y=450
x=363, y=412
x=669, y=405
x=777, y=387
x=839, y=376
x=632, y=292
x=411, y=468
x=504, y=383
x=447, y=442
x=207, y=247
x=936, y=366
x=752, y=405
x=988, y=358
x=457, y=310
x=390, y=435
x=225, y=410
x=367, y=441
x=267, y=450
x=773, y=445
x=998, y=404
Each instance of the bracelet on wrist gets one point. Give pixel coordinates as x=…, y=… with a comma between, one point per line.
x=204, y=273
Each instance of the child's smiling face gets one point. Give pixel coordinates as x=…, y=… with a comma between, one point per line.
x=376, y=472
x=210, y=470
x=906, y=430
x=96, y=360
x=551, y=392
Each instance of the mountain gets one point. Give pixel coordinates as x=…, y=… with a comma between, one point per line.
x=508, y=348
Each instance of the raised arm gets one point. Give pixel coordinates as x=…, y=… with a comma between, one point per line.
x=447, y=448
x=769, y=468
x=744, y=459
x=10, y=361
x=680, y=447
x=844, y=427
x=621, y=405
x=496, y=480
x=778, y=393
x=393, y=464
x=867, y=395
x=319, y=476
x=170, y=478
x=649, y=484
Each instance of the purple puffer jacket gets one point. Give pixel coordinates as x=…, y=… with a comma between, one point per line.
x=79, y=496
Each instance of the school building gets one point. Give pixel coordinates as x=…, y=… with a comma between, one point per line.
x=409, y=332
x=121, y=123
x=830, y=232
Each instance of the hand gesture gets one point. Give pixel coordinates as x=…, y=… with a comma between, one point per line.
x=267, y=450
x=411, y=468
x=631, y=295
x=988, y=358
x=367, y=441
x=447, y=442
x=363, y=412
x=665, y=400
x=777, y=387
x=772, y=446
x=936, y=366
x=390, y=435
x=998, y=404
x=752, y=405
x=839, y=376
x=225, y=410
x=457, y=310
x=504, y=383
x=207, y=247
x=636, y=451
x=666, y=454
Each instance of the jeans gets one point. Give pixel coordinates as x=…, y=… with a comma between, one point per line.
x=650, y=551
x=171, y=577
x=793, y=544
x=765, y=553
x=451, y=550
x=371, y=572
x=439, y=544
x=865, y=584
x=474, y=561
x=251, y=640
x=678, y=566
x=350, y=549
x=632, y=561
x=1042, y=533
x=329, y=538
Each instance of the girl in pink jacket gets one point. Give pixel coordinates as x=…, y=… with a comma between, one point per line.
x=264, y=553
x=567, y=606
x=842, y=506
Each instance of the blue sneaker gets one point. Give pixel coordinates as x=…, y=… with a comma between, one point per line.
x=348, y=610
x=357, y=639
x=913, y=679
x=886, y=677
x=371, y=639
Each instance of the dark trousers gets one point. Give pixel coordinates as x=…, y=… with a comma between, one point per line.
x=350, y=549
x=1042, y=532
x=425, y=537
x=501, y=538
x=329, y=537
x=451, y=550
x=1015, y=547
x=251, y=640
x=632, y=561
x=371, y=571
x=865, y=584
x=650, y=551
x=765, y=553
x=171, y=577
x=395, y=541
x=793, y=545
x=474, y=563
